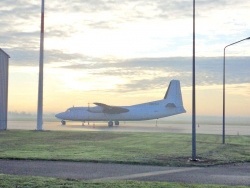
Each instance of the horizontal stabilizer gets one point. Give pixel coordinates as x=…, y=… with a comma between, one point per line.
x=170, y=105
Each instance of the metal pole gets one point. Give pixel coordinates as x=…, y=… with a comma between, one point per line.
x=40, y=84
x=223, y=119
x=193, y=96
x=224, y=83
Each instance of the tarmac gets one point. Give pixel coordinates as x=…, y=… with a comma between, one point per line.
x=233, y=174
x=144, y=126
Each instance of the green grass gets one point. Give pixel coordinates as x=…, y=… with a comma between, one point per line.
x=7, y=181
x=137, y=148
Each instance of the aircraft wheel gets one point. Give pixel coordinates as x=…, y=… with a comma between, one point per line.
x=110, y=123
x=63, y=122
x=116, y=122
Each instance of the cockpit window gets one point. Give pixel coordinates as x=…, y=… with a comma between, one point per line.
x=68, y=110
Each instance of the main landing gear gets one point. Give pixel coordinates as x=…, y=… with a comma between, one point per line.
x=63, y=122
x=110, y=123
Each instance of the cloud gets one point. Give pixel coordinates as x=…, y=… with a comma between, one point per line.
x=98, y=34
x=155, y=73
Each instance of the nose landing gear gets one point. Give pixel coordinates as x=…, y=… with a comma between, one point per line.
x=63, y=122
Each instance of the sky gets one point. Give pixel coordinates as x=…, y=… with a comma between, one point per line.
x=126, y=52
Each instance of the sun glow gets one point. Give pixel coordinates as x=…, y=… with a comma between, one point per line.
x=92, y=50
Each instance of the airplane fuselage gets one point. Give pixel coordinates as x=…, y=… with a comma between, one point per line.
x=170, y=105
x=145, y=111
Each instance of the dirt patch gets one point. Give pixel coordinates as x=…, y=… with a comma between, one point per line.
x=186, y=161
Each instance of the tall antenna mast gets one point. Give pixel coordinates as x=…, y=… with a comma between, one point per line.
x=40, y=84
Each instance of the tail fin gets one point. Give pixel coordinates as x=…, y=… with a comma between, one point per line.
x=173, y=94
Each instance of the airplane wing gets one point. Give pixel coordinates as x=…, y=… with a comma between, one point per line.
x=111, y=109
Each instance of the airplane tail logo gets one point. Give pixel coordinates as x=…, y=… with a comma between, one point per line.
x=173, y=95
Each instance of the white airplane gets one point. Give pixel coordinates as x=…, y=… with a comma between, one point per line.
x=170, y=105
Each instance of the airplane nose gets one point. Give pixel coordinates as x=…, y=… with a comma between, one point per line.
x=59, y=115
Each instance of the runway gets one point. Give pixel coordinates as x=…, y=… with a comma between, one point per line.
x=143, y=126
x=235, y=174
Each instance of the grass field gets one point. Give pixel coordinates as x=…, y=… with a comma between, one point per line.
x=139, y=148
x=136, y=148
x=7, y=181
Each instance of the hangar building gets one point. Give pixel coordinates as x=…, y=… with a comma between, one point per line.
x=4, y=75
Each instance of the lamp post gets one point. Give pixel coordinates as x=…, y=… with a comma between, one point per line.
x=223, y=118
x=193, y=94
